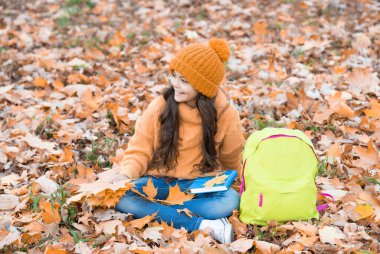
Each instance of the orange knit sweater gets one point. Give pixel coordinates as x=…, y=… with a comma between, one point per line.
x=228, y=139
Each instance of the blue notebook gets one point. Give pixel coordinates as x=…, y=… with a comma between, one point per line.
x=202, y=184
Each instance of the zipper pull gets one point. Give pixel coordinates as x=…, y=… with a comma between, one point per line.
x=261, y=200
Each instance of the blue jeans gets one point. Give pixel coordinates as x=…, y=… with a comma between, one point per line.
x=210, y=206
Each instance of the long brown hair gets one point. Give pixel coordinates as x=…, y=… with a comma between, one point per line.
x=166, y=154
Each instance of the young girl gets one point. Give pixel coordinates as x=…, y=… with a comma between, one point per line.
x=190, y=131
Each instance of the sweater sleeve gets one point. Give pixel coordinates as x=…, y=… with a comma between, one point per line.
x=136, y=157
x=232, y=143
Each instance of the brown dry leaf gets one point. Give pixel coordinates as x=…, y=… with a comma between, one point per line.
x=153, y=233
x=117, y=40
x=241, y=245
x=265, y=247
x=47, y=185
x=150, y=190
x=368, y=157
x=363, y=80
x=337, y=103
x=168, y=230
x=176, y=196
x=331, y=235
x=215, y=181
x=140, y=223
x=186, y=211
x=239, y=227
x=306, y=228
x=7, y=238
x=8, y=201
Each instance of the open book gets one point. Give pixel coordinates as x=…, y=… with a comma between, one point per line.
x=219, y=182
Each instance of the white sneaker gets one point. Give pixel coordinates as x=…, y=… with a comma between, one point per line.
x=221, y=229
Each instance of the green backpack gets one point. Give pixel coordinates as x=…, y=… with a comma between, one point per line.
x=278, y=178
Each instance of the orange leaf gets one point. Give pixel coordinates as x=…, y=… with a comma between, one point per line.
x=375, y=109
x=86, y=173
x=339, y=70
x=149, y=189
x=260, y=28
x=176, y=196
x=55, y=249
x=58, y=85
x=67, y=155
x=117, y=40
x=40, y=82
x=140, y=223
x=50, y=214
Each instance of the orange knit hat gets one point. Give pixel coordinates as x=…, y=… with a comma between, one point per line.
x=202, y=66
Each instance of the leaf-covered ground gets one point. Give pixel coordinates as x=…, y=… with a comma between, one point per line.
x=75, y=75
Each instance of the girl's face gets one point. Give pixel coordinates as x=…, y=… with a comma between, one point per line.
x=183, y=91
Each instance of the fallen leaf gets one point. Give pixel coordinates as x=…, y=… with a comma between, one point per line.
x=186, y=211
x=140, y=223
x=176, y=196
x=364, y=210
x=8, y=201
x=50, y=214
x=149, y=189
x=40, y=82
x=265, y=247
x=239, y=227
x=374, y=111
x=153, y=233
x=10, y=238
x=47, y=185
x=241, y=245
x=306, y=228
x=215, y=181
x=330, y=234
x=368, y=157
x=55, y=249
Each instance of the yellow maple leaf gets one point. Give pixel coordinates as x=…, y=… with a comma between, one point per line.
x=176, y=196
x=150, y=190
x=364, y=210
x=216, y=180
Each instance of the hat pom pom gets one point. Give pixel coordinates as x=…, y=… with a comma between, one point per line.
x=220, y=46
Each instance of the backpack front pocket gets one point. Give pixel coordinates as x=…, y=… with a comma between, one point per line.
x=266, y=206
